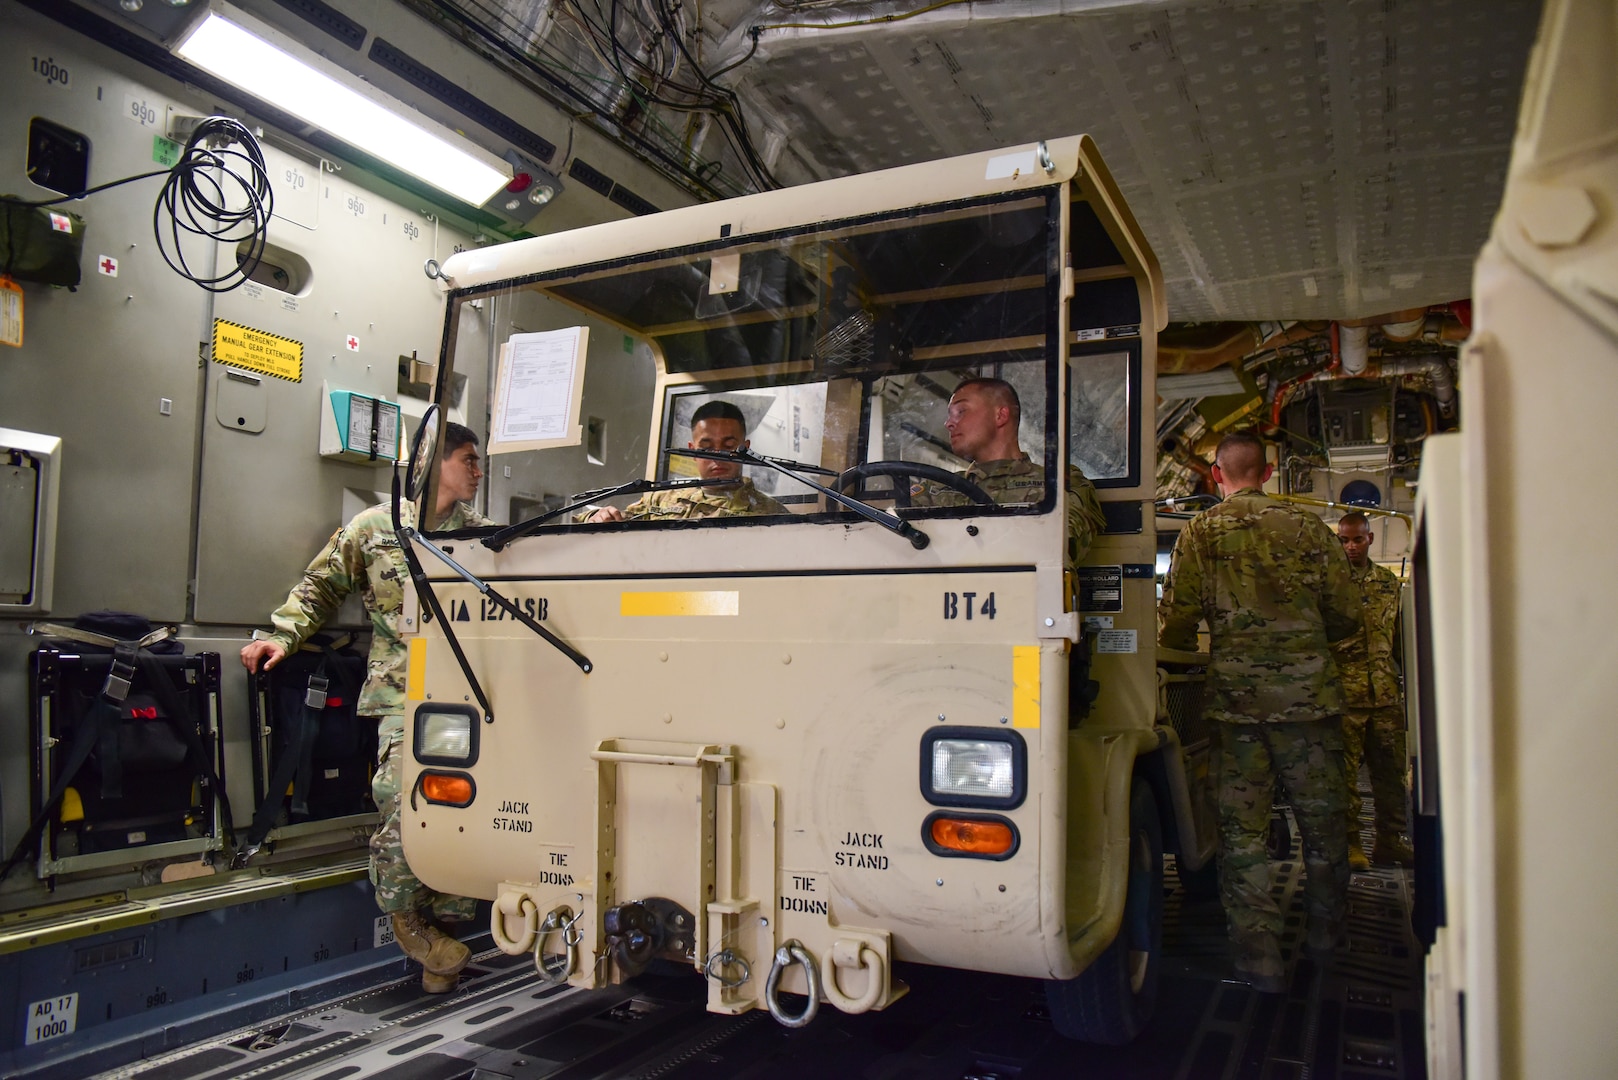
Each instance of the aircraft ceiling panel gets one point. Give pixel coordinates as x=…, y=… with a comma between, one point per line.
x=1224, y=95
x=824, y=89
x=1153, y=219
x=1432, y=196
x=1357, y=145
x=1439, y=75
x=1282, y=225
x=1306, y=296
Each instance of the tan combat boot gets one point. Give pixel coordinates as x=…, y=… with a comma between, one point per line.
x=1393, y=851
x=1356, y=856
x=441, y=956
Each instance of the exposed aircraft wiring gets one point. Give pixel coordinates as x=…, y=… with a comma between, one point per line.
x=898, y=16
x=214, y=191
x=631, y=41
x=591, y=94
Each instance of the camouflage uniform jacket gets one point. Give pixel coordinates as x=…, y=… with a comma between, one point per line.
x=1366, y=660
x=362, y=556
x=743, y=500
x=1019, y=480
x=1274, y=586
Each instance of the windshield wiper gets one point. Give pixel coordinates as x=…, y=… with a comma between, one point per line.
x=794, y=470
x=424, y=588
x=489, y=593
x=497, y=541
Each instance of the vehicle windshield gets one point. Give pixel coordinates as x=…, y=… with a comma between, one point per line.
x=837, y=344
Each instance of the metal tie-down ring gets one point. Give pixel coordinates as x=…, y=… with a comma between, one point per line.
x=559, y=919
x=792, y=952
x=512, y=903
x=726, y=959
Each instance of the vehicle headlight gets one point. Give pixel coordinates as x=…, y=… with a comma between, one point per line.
x=973, y=767
x=446, y=735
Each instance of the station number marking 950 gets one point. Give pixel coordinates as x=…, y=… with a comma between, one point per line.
x=968, y=605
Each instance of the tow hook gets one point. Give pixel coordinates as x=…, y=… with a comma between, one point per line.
x=629, y=931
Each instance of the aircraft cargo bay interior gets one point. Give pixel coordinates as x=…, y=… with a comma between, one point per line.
x=806, y=538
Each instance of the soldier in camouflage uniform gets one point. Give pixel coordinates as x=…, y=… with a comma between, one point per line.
x=1274, y=587
x=1374, y=720
x=982, y=426
x=717, y=425
x=364, y=556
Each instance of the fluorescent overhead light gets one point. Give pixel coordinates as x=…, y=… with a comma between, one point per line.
x=245, y=59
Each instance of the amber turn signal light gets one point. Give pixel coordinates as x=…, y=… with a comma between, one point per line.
x=973, y=836
x=447, y=788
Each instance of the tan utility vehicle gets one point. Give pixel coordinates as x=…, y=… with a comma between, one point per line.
x=789, y=749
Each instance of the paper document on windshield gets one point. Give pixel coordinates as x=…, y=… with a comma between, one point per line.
x=537, y=391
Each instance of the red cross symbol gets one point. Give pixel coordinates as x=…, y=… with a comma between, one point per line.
x=353, y=343
x=108, y=266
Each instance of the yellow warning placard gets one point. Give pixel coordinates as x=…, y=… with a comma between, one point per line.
x=238, y=346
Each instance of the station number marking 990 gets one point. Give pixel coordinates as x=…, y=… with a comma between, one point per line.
x=968, y=605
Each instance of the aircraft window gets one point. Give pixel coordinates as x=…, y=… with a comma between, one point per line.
x=1100, y=412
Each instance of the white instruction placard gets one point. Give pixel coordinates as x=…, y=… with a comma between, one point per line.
x=537, y=389
x=1115, y=641
x=52, y=1019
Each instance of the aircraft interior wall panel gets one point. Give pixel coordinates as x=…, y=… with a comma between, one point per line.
x=126, y=977
x=268, y=500
x=96, y=364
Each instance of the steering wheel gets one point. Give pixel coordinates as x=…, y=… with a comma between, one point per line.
x=901, y=492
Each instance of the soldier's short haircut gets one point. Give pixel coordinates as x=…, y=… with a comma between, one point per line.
x=457, y=436
x=719, y=410
x=1241, y=453
x=999, y=391
x=1352, y=516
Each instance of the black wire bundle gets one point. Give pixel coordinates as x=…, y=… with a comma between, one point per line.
x=644, y=65
x=214, y=191
x=220, y=192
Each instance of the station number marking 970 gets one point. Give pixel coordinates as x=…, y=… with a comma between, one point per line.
x=968, y=605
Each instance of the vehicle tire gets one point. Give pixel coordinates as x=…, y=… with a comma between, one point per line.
x=1111, y=1001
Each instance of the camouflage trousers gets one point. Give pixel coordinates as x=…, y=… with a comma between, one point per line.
x=1377, y=736
x=398, y=889
x=1306, y=759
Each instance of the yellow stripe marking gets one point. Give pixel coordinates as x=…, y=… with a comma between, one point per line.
x=416, y=677
x=679, y=603
x=1025, y=686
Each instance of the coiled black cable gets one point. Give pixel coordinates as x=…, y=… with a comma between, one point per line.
x=218, y=189
x=219, y=192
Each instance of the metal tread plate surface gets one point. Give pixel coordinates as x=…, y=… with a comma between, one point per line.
x=1357, y=1015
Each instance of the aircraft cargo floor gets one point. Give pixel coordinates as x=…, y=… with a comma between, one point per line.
x=1355, y=1017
